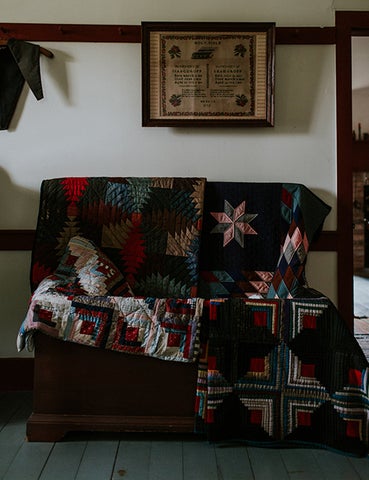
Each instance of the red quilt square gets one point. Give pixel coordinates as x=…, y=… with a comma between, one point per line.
x=309, y=321
x=45, y=314
x=308, y=370
x=353, y=429
x=304, y=418
x=212, y=362
x=354, y=377
x=87, y=328
x=213, y=310
x=257, y=364
x=210, y=415
x=131, y=334
x=260, y=318
x=256, y=416
x=174, y=339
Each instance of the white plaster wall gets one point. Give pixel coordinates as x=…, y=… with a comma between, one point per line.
x=89, y=122
x=285, y=12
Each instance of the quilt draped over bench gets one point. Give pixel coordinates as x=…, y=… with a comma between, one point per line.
x=165, y=328
x=271, y=372
x=148, y=227
x=256, y=237
x=187, y=270
x=282, y=373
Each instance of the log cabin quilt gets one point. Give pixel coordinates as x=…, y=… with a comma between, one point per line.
x=282, y=373
x=271, y=372
x=165, y=328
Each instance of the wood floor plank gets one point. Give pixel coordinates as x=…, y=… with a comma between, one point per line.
x=7, y=410
x=11, y=403
x=166, y=458
x=15, y=430
x=136, y=457
x=199, y=461
x=301, y=464
x=64, y=461
x=335, y=466
x=7, y=455
x=233, y=463
x=98, y=460
x=361, y=466
x=29, y=461
x=267, y=464
x=133, y=460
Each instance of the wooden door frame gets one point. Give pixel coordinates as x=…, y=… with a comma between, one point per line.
x=348, y=24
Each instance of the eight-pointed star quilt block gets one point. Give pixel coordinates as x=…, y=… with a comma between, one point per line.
x=241, y=238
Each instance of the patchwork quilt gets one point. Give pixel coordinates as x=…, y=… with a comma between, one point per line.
x=148, y=227
x=282, y=373
x=165, y=328
x=256, y=237
x=116, y=266
x=271, y=372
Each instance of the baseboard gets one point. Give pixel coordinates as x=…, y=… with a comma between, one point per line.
x=43, y=427
x=16, y=374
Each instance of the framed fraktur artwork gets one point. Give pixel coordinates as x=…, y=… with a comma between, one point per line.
x=208, y=74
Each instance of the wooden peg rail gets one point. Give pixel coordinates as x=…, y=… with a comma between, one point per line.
x=50, y=32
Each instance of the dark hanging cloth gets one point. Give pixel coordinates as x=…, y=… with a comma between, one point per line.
x=19, y=62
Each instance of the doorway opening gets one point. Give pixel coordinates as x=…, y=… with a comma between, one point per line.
x=361, y=252
x=360, y=185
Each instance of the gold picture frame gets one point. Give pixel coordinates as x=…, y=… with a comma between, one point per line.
x=208, y=74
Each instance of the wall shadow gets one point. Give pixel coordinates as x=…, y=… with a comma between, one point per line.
x=19, y=205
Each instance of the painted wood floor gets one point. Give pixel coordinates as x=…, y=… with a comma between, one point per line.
x=361, y=300
x=136, y=457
